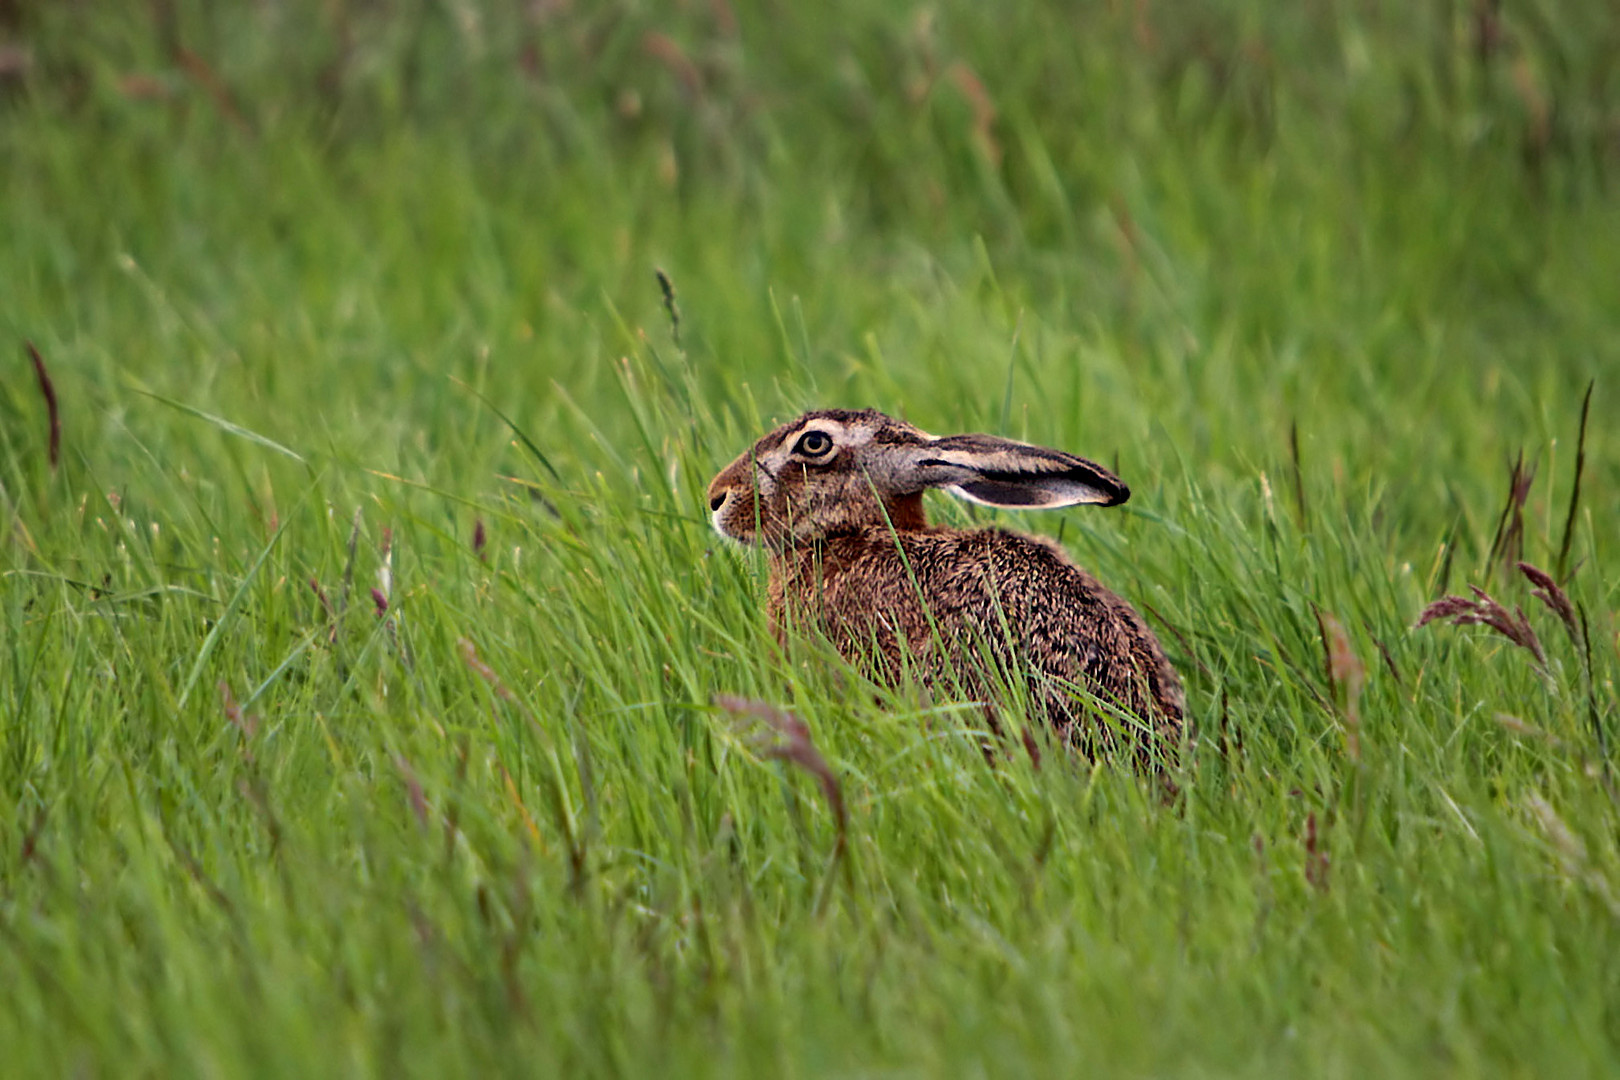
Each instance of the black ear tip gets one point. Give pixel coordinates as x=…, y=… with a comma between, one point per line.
x=1113, y=489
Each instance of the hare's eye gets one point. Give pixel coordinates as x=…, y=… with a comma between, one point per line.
x=814, y=444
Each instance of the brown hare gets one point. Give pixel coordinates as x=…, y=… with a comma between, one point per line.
x=835, y=498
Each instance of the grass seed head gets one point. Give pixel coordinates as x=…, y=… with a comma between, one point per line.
x=787, y=738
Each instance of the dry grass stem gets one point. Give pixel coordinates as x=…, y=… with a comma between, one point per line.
x=47, y=390
x=1347, y=675
x=787, y=738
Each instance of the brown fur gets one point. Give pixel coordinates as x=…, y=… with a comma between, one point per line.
x=962, y=613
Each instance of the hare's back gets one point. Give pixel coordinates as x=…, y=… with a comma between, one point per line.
x=1031, y=580
x=1065, y=621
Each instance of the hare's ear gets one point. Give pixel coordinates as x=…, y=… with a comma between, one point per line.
x=1000, y=472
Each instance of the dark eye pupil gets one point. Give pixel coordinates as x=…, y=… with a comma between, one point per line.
x=815, y=442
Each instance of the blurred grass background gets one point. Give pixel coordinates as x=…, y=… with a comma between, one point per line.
x=360, y=648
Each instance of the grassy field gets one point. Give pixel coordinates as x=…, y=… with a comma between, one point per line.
x=361, y=645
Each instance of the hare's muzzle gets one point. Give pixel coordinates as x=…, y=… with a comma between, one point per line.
x=729, y=517
x=719, y=495
x=735, y=499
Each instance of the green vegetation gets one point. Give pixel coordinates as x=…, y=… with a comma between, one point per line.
x=359, y=655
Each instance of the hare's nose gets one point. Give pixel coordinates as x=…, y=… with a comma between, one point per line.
x=716, y=500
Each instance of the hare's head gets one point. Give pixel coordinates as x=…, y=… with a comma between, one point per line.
x=837, y=471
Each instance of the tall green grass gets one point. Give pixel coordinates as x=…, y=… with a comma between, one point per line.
x=360, y=651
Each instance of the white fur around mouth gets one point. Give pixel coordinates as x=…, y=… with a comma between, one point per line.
x=715, y=519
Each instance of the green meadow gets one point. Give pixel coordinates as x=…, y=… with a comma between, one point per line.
x=376, y=699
